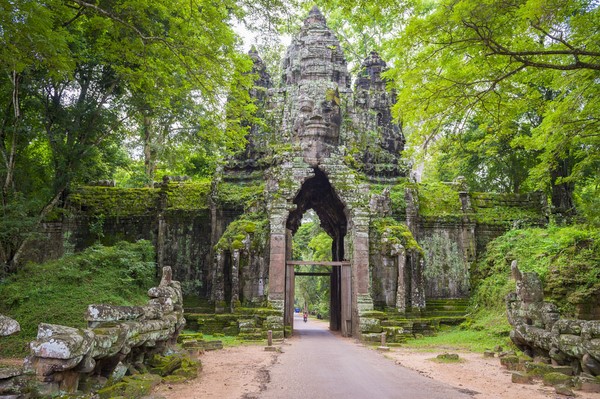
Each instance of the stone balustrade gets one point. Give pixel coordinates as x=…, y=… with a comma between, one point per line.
x=539, y=331
x=118, y=340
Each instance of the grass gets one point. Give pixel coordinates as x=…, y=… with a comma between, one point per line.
x=483, y=330
x=59, y=292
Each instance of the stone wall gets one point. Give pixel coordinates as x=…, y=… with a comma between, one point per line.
x=540, y=332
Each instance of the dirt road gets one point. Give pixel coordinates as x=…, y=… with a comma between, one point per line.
x=317, y=364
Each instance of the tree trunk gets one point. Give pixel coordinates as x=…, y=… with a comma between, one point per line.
x=563, y=205
x=149, y=151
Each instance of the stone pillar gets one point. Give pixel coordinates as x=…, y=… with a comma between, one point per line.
x=219, y=283
x=277, y=270
x=401, y=286
x=361, y=297
x=235, y=280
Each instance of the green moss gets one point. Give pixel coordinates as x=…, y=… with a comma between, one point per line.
x=566, y=258
x=437, y=199
x=554, y=378
x=131, y=387
x=115, y=202
x=188, y=195
x=239, y=196
x=255, y=226
x=388, y=232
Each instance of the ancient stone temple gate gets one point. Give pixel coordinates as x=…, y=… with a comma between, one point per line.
x=316, y=123
x=328, y=144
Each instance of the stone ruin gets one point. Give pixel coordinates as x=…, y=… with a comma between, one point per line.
x=118, y=340
x=540, y=332
x=327, y=143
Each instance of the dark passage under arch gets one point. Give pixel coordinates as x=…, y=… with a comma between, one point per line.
x=318, y=194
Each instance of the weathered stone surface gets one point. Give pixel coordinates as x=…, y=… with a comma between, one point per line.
x=520, y=378
x=8, y=326
x=539, y=331
x=60, y=342
x=9, y=371
x=62, y=355
x=564, y=390
x=106, y=313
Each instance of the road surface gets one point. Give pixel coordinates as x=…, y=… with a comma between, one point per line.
x=318, y=364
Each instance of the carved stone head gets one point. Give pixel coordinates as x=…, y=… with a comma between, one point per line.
x=315, y=73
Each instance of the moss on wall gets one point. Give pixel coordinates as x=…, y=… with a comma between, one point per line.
x=251, y=226
x=439, y=200
x=115, y=202
x=237, y=195
x=388, y=232
x=189, y=195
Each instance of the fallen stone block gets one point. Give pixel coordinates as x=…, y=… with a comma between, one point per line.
x=8, y=326
x=520, y=378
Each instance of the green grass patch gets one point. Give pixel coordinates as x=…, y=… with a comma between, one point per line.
x=59, y=291
x=484, y=330
x=228, y=340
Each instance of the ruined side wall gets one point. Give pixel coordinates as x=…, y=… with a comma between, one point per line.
x=454, y=226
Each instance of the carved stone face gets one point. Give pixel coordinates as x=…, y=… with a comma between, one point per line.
x=317, y=118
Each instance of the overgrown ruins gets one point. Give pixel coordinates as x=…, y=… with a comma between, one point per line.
x=329, y=145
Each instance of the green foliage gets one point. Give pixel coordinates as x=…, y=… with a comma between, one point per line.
x=566, y=258
x=438, y=199
x=388, y=233
x=484, y=330
x=59, y=291
x=488, y=160
x=253, y=227
x=312, y=243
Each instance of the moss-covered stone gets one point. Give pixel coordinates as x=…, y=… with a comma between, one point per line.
x=165, y=365
x=538, y=369
x=554, y=378
x=131, y=387
x=388, y=233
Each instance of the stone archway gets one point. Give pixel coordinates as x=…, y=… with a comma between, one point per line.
x=318, y=194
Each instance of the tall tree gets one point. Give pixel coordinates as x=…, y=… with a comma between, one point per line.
x=494, y=60
x=77, y=75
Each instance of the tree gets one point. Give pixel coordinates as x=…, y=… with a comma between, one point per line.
x=496, y=61
x=76, y=77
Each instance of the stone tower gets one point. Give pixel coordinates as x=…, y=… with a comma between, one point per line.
x=322, y=144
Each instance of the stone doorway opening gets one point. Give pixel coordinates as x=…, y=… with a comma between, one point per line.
x=318, y=194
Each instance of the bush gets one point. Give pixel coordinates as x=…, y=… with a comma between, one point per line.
x=566, y=258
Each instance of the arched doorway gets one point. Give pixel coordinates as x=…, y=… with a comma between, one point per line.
x=318, y=194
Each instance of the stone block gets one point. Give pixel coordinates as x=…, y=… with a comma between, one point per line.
x=9, y=371
x=564, y=390
x=60, y=342
x=554, y=378
x=370, y=325
x=520, y=378
x=8, y=326
x=104, y=313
